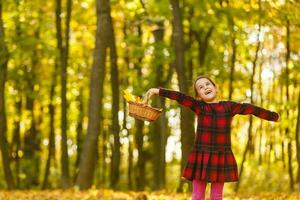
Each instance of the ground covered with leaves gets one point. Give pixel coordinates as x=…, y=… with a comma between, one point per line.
x=113, y=195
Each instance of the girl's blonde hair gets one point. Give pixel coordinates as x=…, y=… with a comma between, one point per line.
x=200, y=77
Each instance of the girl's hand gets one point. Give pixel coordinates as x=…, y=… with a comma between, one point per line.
x=150, y=93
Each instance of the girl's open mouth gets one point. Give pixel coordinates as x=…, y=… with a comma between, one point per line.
x=207, y=92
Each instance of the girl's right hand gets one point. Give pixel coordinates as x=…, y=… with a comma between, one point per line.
x=150, y=93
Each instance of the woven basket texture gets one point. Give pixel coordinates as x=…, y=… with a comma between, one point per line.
x=143, y=112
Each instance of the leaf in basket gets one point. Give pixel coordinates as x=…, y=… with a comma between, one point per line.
x=139, y=100
x=128, y=96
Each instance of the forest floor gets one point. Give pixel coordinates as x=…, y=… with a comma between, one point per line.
x=94, y=194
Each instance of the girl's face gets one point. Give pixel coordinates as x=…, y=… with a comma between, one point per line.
x=206, y=90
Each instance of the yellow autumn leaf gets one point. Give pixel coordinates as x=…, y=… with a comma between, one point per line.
x=128, y=96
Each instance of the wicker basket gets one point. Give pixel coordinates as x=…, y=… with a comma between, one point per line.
x=143, y=111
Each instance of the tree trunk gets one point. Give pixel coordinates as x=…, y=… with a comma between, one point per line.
x=297, y=138
x=31, y=138
x=51, y=145
x=203, y=44
x=115, y=164
x=159, y=131
x=139, y=125
x=4, y=56
x=16, y=142
x=79, y=130
x=250, y=145
x=88, y=158
x=129, y=151
x=189, y=45
x=65, y=174
x=140, y=167
x=103, y=146
x=186, y=119
x=281, y=97
x=287, y=130
x=233, y=56
x=261, y=123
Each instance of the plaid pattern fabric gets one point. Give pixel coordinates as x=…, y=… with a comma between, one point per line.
x=211, y=158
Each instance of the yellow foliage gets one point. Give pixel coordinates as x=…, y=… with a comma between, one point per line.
x=130, y=97
x=95, y=194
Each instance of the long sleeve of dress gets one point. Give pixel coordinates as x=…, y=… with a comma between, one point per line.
x=185, y=100
x=247, y=109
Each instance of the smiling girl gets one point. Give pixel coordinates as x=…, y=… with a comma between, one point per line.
x=211, y=159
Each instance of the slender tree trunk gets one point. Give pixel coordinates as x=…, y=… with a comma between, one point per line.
x=159, y=130
x=130, y=164
x=129, y=150
x=65, y=174
x=140, y=167
x=4, y=56
x=160, y=134
x=116, y=155
x=51, y=145
x=16, y=142
x=233, y=56
x=290, y=166
x=17, y=137
x=103, y=146
x=31, y=139
x=203, y=39
x=281, y=97
x=187, y=119
x=189, y=45
x=88, y=158
x=250, y=145
x=79, y=130
x=297, y=138
x=261, y=123
x=287, y=130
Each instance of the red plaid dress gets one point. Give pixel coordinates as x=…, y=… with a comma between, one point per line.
x=211, y=158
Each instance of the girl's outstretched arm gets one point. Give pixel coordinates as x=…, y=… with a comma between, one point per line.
x=248, y=109
x=183, y=99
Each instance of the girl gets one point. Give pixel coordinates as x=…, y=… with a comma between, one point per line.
x=211, y=159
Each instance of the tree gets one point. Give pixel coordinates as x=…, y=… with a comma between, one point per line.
x=4, y=56
x=88, y=158
x=51, y=146
x=249, y=145
x=297, y=137
x=115, y=164
x=160, y=131
x=63, y=47
x=186, y=119
x=287, y=94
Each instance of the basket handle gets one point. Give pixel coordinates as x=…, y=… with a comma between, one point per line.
x=146, y=98
x=150, y=93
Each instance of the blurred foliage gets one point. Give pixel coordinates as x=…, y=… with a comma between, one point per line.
x=30, y=34
x=95, y=194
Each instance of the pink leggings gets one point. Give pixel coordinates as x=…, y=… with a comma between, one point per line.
x=216, y=192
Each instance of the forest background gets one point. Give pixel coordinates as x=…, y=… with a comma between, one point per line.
x=64, y=64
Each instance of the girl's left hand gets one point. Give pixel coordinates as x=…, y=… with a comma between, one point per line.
x=150, y=93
